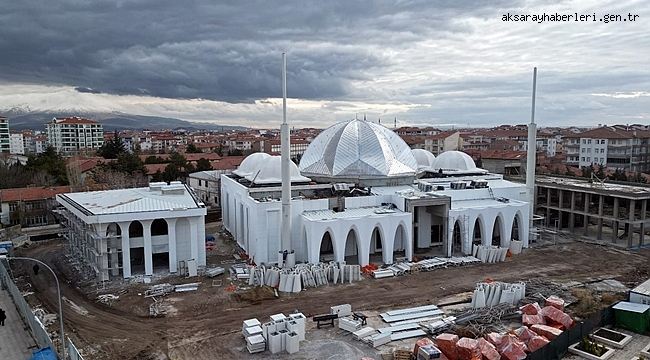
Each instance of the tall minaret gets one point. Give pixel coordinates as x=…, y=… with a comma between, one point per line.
x=532, y=153
x=286, y=179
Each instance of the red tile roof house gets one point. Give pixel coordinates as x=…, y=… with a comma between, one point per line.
x=31, y=206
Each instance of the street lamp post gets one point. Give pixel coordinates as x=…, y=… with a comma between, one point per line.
x=58, y=291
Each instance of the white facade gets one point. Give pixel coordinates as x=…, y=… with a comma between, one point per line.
x=16, y=143
x=118, y=231
x=74, y=134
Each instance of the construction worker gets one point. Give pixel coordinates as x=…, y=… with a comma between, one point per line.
x=36, y=268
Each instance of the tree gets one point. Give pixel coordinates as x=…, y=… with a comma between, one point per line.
x=157, y=176
x=171, y=173
x=50, y=162
x=600, y=173
x=235, y=152
x=587, y=171
x=556, y=170
x=569, y=172
x=203, y=165
x=114, y=179
x=638, y=178
x=153, y=159
x=192, y=149
x=219, y=150
x=479, y=162
x=113, y=148
x=618, y=175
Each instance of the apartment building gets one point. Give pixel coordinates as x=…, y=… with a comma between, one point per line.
x=73, y=135
x=16, y=143
x=614, y=147
x=446, y=141
x=4, y=135
x=297, y=147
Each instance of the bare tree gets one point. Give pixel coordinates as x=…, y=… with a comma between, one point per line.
x=118, y=179
x=42, y=178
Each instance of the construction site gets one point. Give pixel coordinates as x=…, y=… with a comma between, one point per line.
x=200, y=317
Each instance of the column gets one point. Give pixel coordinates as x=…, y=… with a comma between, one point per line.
x=599, y=236
x=560, y=204
x=548, y=208
x=642, y=229
x=148, y=254
x=194, y=249
x=615, y=221
x=572, y=215
x=171, y=234
x=126, y=249
x=630, y=232
x=587, y=198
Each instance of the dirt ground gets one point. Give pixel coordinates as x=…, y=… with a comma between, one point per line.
x=206, y=324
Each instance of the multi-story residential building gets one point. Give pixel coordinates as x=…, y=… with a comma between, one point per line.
x=544, y=142
x=297, y=147
x=610, y=146
x=4, y=135
x=73, y=135
x=16, y=143
x=439, y=143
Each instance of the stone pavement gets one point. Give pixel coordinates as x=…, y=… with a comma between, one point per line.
x=16, y=342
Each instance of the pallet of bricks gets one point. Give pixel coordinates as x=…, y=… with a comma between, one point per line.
x=402, y=355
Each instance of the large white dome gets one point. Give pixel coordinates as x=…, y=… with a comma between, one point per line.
x=424, y=158
x=251, y=164
x=358, y=149
x=270, y=172
x=453, y=160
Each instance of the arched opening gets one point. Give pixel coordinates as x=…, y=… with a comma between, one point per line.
x=159, y=227
x=399, y=247
x=326, y=248
x=113, y=230
x=496, y=231
x=477, y=237
x=135, y=229
x=114, y=233
x=515, y=228
x=352, y=253
x=376, y=245
x=457, y=238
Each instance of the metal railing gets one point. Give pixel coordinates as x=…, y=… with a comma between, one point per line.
x=38, y=331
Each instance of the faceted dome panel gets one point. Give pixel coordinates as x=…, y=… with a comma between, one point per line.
x=358, y=149
x=453, y=160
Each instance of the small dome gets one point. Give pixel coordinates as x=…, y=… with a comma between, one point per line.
x=424, y=158
x=453, y=160
x=251, y=164
x=357, y=149
x=270, y=172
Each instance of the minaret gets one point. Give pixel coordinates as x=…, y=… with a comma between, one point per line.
x=289, y=259
x=530, y=163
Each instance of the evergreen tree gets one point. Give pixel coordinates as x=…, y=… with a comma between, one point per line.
x=203, y=165
x=113, y=148
x=192, y=149
x=638, y=178
x=49, y=162
x=171, y=173
x=569, y=172
x=601, y=172
x=157, y=176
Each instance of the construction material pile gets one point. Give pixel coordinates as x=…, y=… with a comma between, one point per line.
x=431, y=264
x=490, y=294
x=540, y=326
x=299, y=277
x=489, y=253
x=281, y=333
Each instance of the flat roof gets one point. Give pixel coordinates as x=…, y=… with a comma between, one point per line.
x=631, y=307
x=643, y=288
x=349, y=213
x=595, y=187
x=482, y=203
x=130, y=201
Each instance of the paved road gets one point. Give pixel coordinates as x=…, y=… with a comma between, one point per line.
x=16, y=343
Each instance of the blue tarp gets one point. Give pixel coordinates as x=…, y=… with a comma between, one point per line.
x=45, y=353
x=209, y=238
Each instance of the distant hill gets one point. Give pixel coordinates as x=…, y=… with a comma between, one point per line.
x=19, y=120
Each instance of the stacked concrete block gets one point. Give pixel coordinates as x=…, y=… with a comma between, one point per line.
x=275, y=342
x=301, y=320
x=249, y=324
x=268, y=328
x=292, y=343
x=341, y=310
x=255, y=344
x=349, y=325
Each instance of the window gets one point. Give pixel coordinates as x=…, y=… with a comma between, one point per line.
x=199, y=182
x=582, y=150
x=584, y=141
x=588, y=159
x=602, y=151
x=583, y=158
x=589, y=150
x=13, y=206
x=589, y=141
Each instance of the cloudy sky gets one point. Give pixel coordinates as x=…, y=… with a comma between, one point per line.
x=441, y=63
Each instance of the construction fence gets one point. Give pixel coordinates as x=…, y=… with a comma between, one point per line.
x=38, y=331
x=556, y=349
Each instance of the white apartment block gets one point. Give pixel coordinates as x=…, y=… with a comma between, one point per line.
x=16, y=143
x=73, y=135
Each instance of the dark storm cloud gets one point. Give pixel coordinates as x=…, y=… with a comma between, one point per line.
x=215, y=50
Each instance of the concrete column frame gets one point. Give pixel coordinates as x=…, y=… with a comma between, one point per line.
x=587, y=198
x=548, y=207
x=630, y=232
x=572, y=215
x=560, y=204
x=644, y=204
x=615, y=222
x=601, y=201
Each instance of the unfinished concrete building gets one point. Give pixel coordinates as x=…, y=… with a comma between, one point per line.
x=131, y=232
x=605, y=211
